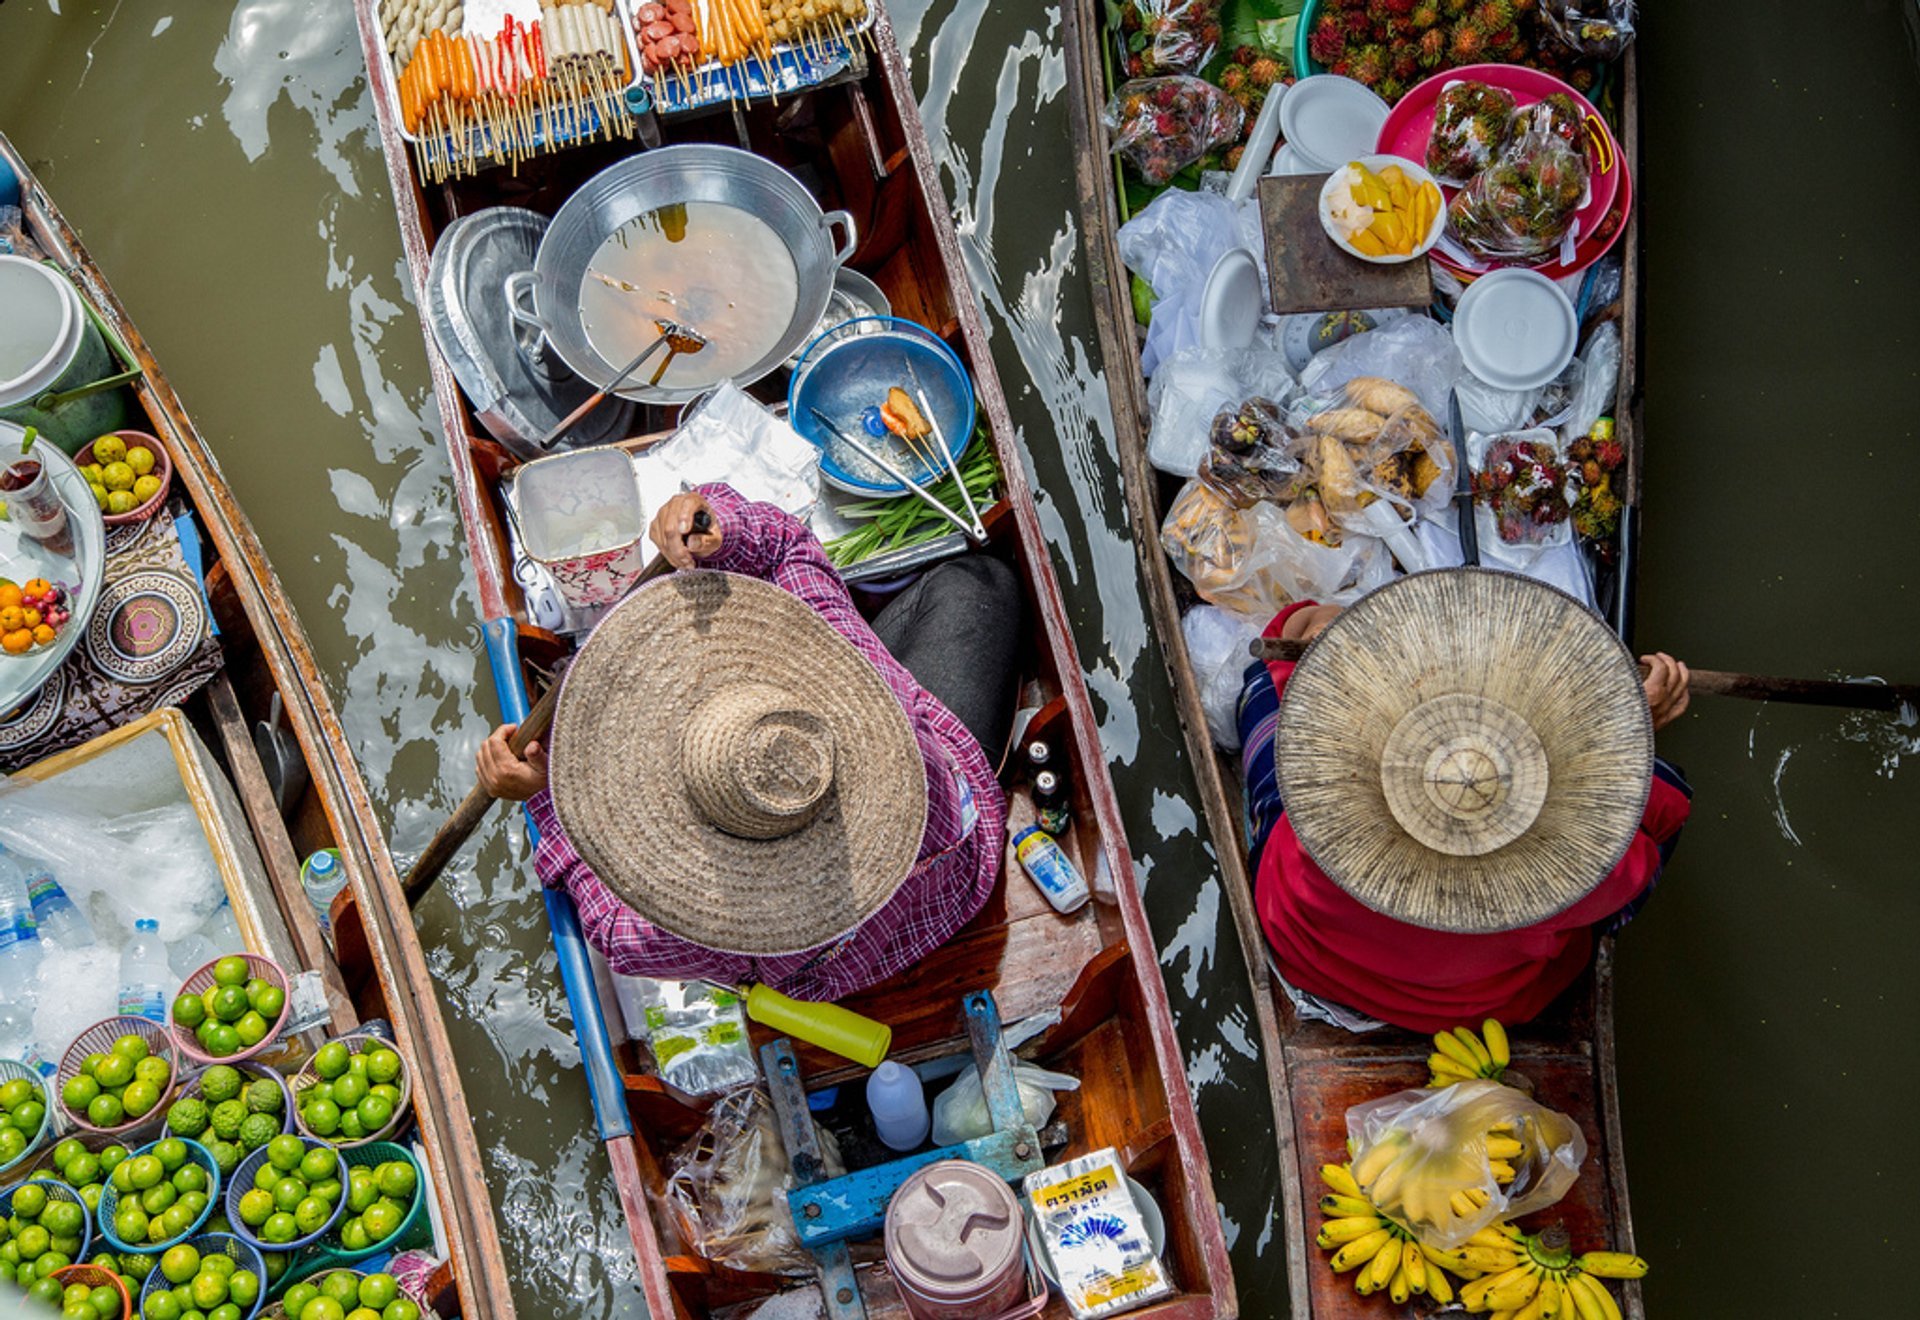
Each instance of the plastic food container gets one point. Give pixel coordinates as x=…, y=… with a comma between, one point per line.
x=580, y=518
x=1417, y=177
x=1515, y=329
x=955, y=1242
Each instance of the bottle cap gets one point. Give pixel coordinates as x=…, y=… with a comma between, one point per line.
x=146, y=923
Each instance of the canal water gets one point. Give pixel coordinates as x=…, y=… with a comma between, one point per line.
x=221, y=163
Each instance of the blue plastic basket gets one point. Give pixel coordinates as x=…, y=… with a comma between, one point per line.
x=9, y=1070
x=110, y=1200
x=59, y=1191
x=242, y=1182
x=244, y=1257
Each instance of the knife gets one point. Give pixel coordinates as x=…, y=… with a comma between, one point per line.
x=1462, y=483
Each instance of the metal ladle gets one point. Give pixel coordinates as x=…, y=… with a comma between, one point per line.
x=678, y=339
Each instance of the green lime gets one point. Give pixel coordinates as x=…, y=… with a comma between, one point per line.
x=374, y=1113
x=265, y=1176
x=311, y=1215
x=342, y=1286
x=351, y=1128
x=256, y=1207
x=79, y=1091
x=298, y=1296
x=64, y=1152
x=318, y=1163
x=62, y=1218
x=227, y=1310
x=154, y=1069
x=180, y=1263
x=221, y=1083
x=363, y=1189
x=105, y=1302
x=189, y=1011
x=349, y=1091
x=171, y=1152
x=176, y=1221
x=323, y=1308
x=91, y=1062
x=276, y=1263
x=279, y=1228
x=383, y=1065
x=381, y=1220
x=155, y=1200
x=357, y=1313
x=13, y=1144
x=322, y=1117
x=243, y=1289
x=251, y=1028
x=209, y=1290
x=288, y=1193
x=327, y=1189
x=139, y=1098
x=115, y=1070
x=331, y=1061
x=14, y=1090
x=378, y=1290
x=223, y=1041
x=353, y=1236
x=190, y=1178
x=268, y=1001
x=230, y=1003
x=34, y=1241
x=105, y=1111
x=130, y=1222
x=284, y=1152
x=132, y=1047
x=231, y=971
x=226, y=1157
x=219, y=1263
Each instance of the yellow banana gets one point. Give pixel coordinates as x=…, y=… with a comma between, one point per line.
x=1597, y=1292
x=1340, y=1178
x=1398, y=1288
x=1385, y=1262
x=1445, y=1065
x=1551, y=1306
x=1613, y=1265
x=1581, y=1302
x=1475, y=1295
x=1491, y=1237
x=1337, y=1231
x=1335, y=1206
x=1462, y=1205
x=1496, y=1037
x=1483, y=1058
x=1384, y=1188
x=1360, y=1250
x=1502, y=1171
x=1480, y=1198
x=1531, y=1311
x=1504, y=1148
x=1488, y=1260
x=1438, y=1287
x=1449, y=1044
x=1516, y=1287
x=1374, y=1159
x=1413, y=1263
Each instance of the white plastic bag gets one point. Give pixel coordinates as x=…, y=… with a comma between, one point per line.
x=1173, y=244
x=1192, y=386
x=1413, y=1151
x=1414, y=351
x=1217, y=642
x=1594, y=398
x=960, y=1112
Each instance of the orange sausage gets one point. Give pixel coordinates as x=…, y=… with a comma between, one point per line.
x=462, y=70
x=410, y=97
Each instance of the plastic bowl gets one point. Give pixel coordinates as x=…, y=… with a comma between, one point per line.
x=257, y=966
x=9, y=1071
x=242, y=1182
x=1417, y=176
x=98, y=1039
x=244, y=1257
x=58, y=1191
x=252, y=1072
x=308, y=1272
x=358, y=1043
x=371, y=1156
x=110, y=1201
x=846, y=373
x=96, y=1276
x=162, y=468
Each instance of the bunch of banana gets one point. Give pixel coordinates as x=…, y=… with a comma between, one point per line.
x=1504, y=1146
x=1383, y=1252
x=1523, y=1276
x=1461, y=1056
x=1417, y=1185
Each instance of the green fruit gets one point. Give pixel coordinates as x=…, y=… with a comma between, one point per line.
x=132, y=1047
x=265, y=1176
x=139, y=1098
x=383, y=1065
x=285, y=1151
x=219, y=1263
x=180, y=1263
x=83, y=1169
x=154, y=1069
x=176, y=1221
x=187, y=1118
x=357, y=1313
x=161, y=1306
x=342, y=1286
x=45, y=1290
x=243, y=1289
x=322, y=1118
x=226, y=1311
x=190, y=1178
x=298, y=1296
x=64, y=1152
x=349, y=1091
x=209, y=1290
x=34, y=1241
x=288, y=1193
x=256, y=1207
x=279, y=1228
x=378, y=1290
x=323, y=1308
x=130, y=1222
x=331, y=1061
x=12, y=1145
x=257, y=1130
x=228, y=1115
x=311, y=1215
x=353, y=1236
x=171, y=1152
x=14, y=1090
x=62, y=1218
x=226, y=1156
x=276, y=1263
x=189, y=1011
x=327, y=1189
x=105, y=1111
x=251, y=1028
x=268, y=1001
x=156, y=1200
x=264, y=1097
x=221, y=1083
x=230, y=1003
x=318, y=1163
x=105, y=1302
x=363, y=1189
x=382, y=1220
x=351, y=1128
x=231, y=970
x=79, y=1092
x=91, y=1062
x=114, y=1070
x=374, y=1113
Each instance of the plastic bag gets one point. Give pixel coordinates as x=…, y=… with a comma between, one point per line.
x=1192, y=387
x=1599, y=379
x=1555, y=113
x=1415, y=352
x=1168, y=36
x=1162, y=125
x=1173, y=245
x=1597, y=458
x=727, y=1187
x=696, y=1032
x=1470, y=124
x=1253, y=454
x=1522, y=492
x=1374, y=440
x=1415, y=1150
x=1522, y=205
x=1597, y=29
x=1217, y=643
x=960, y=1112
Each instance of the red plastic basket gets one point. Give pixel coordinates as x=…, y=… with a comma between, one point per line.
x=96, y=1276
x=98, y=1039
x=257, y=966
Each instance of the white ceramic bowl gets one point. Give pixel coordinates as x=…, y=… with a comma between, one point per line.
x=1416, y=174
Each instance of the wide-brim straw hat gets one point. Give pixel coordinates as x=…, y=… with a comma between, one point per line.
x=733, y=769
x=1466, y=750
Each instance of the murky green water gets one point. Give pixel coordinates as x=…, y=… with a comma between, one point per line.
x=220, y=162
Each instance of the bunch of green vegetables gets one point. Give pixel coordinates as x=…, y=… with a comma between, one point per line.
x=899, y=521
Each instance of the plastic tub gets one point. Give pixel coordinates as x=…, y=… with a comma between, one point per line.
x=242, y=1182
x=257, y=966
x=580, y=518
x=110, y=1201
x=244, y=1257
x=95, y=1276
x=846, y=373
x=162, y=468
x=9, y=1071
x=99, y=1038
x=58, y=1191
x=50, y=351
x=358, y=1043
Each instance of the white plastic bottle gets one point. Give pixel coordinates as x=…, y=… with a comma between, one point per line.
x=144, y=974
x=323, y=877
x=899, y=1105
x=19, y=937
x=62, y=924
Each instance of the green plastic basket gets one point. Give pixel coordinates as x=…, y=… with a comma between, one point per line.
x=16, y=1167
x=415, y=1231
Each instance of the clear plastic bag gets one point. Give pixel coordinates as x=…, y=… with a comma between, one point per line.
x=1599, y=380
x=727, y=1187
x=1253, y=453
x=1523, y=204
x=1374, y=440
x=1522, y=493
x=1415, y=352
x=960, y=1112
x=1432, y=1159
x=1470, y=124
x=1193, y=387
x=1173, y=244
x=1168, y=36
x=1217, y=643
x=696, y=1032
x=1162, y=125
x=1597, y=29
x=1555, y=113
x=1227, y=552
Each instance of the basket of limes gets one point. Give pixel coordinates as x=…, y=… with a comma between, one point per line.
x=160, y=1196
x=351, y=1291
x=352, y=1091
x=26, y=1118
x=117, y=1074
x=201, y=1276
x=287, y=1195
x=231, y=1009
x=129, y=472
x=386, y=1206
x=48, y=1230
x=107, y=1294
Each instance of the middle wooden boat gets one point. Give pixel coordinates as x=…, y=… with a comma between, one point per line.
x=857, y=143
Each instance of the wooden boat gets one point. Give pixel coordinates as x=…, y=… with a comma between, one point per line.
x=1317, y=1071
x=379, y=971
x=862, y=145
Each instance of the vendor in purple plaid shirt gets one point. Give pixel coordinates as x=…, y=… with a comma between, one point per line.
x=752, y=783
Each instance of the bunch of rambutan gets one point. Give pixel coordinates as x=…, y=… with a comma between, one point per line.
x=1389, y=45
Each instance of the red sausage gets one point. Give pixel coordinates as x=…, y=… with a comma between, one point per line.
x=651, y=54
x=650, y=13
x=689, y=46
x=669, y=48
x=658, y=29
x=683, y=22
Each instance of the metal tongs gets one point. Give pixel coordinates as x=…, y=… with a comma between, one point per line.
x=676, y=337
x=975, y=531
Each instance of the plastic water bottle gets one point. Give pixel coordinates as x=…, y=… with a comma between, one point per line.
x=191, y=954
x=899, y=1105
x=144, y=974
x=322, y=876
x=19, y=936
x=16, y=1036
x=62, y=925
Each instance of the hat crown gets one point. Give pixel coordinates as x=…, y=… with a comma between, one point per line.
x=1464, y=774
x=757, y=763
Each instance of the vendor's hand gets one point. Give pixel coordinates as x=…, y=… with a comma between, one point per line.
x=1666, y=687
x=673, y=532
x=506, y=775
x=1305, y=625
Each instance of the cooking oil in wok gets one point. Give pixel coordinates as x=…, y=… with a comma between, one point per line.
x=719, y=269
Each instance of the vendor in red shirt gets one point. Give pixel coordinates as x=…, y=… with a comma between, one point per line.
x=1451, y=793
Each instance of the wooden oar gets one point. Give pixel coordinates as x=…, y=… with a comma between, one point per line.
x=473, y=809
x=1714, y=682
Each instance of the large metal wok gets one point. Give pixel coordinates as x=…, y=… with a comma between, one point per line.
x=548, y=297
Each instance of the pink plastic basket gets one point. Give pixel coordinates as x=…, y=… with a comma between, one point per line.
x=257, y=966
x=98, y=1039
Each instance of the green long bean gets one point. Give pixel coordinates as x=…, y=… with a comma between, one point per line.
x=900, y=521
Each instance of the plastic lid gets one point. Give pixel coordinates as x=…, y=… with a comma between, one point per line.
x=1231, y=306
x=44, y=328
x=1515, y=329
x=1329, y=120
x=146, y=923
x=322, y=861
x=953, y=1231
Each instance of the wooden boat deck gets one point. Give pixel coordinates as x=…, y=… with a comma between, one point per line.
x=1317, y=1071
x=859, y=145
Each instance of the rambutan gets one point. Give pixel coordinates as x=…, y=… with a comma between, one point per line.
x=1390, y=89
x=1524, y=6
x=1342, y=68
x=1506, y=41
x=1466, y=44
x=1424, y=16
x=1232, y=78
x=1455, y=8
x=1327, y=42
x=1404, y=64
x=1432, y=48
x=1369, y=65
x=1581, y=76
x=1245, y=55
x=1265, y=72
x=1491, y=15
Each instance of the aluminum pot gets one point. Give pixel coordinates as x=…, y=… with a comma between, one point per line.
x=547, y=298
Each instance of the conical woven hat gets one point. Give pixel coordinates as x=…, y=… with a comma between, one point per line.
x=734, y=769
x=1466, y=750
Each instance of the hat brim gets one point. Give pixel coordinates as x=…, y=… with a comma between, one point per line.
x=1520, y=642
x=620, y=793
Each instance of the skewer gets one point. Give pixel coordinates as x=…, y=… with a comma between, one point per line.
x=912, y=485
x=946, y=452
